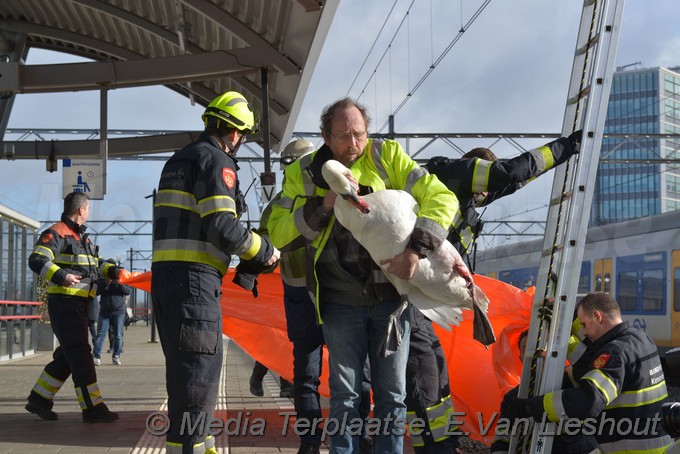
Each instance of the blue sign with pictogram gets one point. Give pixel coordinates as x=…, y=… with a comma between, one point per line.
x=83, y=175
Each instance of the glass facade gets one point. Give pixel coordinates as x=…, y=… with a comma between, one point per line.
x=643, y=101
x=18, y=234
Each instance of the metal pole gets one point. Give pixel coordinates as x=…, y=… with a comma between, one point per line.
x=153, y=339
x=264, y=126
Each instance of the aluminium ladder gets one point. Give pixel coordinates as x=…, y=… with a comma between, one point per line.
x=568, y=214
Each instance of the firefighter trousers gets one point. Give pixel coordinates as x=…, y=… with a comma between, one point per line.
x=73, y=357
x=186, y=304
x=428, y=396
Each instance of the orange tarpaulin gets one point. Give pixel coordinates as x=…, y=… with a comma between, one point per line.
x=479, y=377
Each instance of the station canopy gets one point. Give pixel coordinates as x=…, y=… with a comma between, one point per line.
x=264, y=49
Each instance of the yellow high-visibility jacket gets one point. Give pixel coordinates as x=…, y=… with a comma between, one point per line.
x=383, y=165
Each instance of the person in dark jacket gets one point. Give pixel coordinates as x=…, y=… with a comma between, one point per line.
x=477, y=179
x=111, y=312
x=563, y=443
x=196, y=232
x=621, y=385
x=70, y=263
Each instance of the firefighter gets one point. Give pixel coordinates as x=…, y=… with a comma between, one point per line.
x=477, y=179
x=563, y=443
x=621, y=385
x=196, y=231
x=352, y=297
x=70, y=263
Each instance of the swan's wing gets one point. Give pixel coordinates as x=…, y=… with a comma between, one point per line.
x=442, y=315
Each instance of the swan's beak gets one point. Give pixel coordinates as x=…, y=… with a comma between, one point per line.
x=358, y=202
x=363, y=206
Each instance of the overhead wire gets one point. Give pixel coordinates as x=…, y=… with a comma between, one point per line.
x=375, y=41
x=434, y=65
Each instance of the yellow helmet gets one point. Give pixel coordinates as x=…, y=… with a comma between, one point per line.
x=233, y=109
x=295, y=150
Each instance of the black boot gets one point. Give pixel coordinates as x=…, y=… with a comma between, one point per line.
x=287, y=388
x=308, y=449
x=42, y=411
x=99, y=413
x=259, y=371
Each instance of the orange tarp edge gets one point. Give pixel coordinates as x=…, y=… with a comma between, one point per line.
x=479, y=377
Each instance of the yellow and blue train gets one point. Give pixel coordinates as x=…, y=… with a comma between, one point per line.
x=637, y=262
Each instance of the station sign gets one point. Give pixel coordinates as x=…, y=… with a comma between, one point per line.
x=83, y=175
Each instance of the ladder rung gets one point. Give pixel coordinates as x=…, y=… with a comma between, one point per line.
x=580, y=95
x=556, y=248
x=589, y=44
x=562, y=197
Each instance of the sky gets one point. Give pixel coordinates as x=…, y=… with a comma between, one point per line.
x=508, y=72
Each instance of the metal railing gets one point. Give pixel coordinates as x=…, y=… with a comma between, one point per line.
x=18, y=328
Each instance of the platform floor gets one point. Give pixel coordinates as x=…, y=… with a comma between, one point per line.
x=136, y=390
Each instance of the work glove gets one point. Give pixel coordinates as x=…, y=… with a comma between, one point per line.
x=247, y=272
x=123, y=274
x=518, y=409
x=575, y=139
x=246, y=280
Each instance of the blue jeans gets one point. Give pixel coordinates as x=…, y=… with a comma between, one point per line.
x=116, y=321
x=352, y=333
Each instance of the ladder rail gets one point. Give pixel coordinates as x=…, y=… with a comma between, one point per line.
x=568, y=215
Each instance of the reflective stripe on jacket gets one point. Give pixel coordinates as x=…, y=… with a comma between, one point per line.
x=383, y=165
x=197, y=207
x=292, y=263
x=470, y=176
x=620, y=381
x=64, y=249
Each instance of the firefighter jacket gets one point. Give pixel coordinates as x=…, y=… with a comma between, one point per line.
x=620, y=390
x=197, y=208
x=66, y=249
x=292, y=263
x=343, y=262
x=469, y=177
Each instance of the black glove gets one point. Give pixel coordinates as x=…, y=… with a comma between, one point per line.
x=246, y=280
x=518, y=409
x=575, y=139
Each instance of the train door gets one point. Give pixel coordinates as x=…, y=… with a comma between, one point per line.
x=602, y=275
x=675, y=298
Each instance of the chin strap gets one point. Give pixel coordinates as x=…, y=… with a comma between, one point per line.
x=227, y=145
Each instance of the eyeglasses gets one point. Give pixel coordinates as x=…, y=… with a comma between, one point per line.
x=347, y=136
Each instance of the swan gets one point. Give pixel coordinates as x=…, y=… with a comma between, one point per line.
x=382, y=222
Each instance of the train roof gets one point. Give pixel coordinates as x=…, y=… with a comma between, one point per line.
x=646, y=225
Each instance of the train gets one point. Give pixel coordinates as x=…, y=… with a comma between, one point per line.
x=636, y=261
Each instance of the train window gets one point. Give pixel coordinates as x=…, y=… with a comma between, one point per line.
x=583, y=284
x=652, y=290
x=627, y=294
x=584, y=279
x=598, y=282
x=676, y=289
x=607, y=283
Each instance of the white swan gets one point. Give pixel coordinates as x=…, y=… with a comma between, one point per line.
x=383, y=222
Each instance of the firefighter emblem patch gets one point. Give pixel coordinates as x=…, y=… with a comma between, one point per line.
x=46, y=237
x=601, y=361
x=229, y=177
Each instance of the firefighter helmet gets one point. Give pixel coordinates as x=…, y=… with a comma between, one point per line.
x=295, y=150
x=231, y=110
